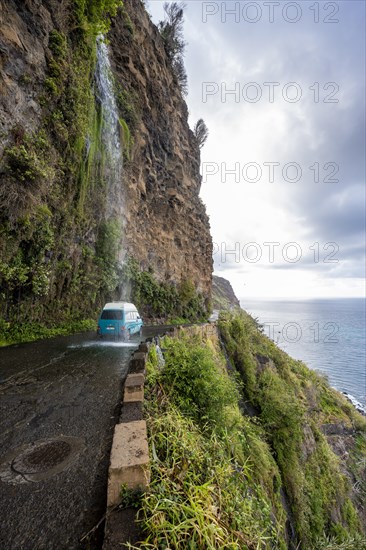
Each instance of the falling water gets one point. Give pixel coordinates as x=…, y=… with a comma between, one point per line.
x=110, y=127
x=161, y=360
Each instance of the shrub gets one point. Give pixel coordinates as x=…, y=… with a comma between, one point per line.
x=160, y=299
x=11, y=333
x=58, y=44
x=93, y=16
x=171, y=31
x=194, y=380
x=24, y=165
x=201, y=132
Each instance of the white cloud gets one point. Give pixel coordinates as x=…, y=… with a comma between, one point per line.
x=306, y=132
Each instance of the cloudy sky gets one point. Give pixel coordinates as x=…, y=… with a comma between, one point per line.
x=280, y=86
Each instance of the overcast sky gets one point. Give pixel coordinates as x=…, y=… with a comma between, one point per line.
x=292, y=133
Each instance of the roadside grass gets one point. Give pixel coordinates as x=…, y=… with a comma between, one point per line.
x=222, y=479
x=214, y=483
x=29, y=332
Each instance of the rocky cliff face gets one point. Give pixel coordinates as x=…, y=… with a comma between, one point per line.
x=166, y=226
x=65, y=232
x=23, y=42
x=223, y=296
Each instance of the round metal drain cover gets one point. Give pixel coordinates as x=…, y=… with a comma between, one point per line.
x=40, y=460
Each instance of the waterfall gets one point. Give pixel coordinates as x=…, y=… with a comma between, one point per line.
x=111, y=165
x=161, y=360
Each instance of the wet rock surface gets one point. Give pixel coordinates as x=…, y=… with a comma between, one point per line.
x=166, y=226
x=22, y=64
x=47, y=162
x=59, y=402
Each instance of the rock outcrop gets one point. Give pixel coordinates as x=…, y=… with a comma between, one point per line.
x=223, y=296
x=166, y=226
x=24, y=31
x=60, y=250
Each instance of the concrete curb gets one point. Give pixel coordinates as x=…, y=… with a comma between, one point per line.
x=129, y=461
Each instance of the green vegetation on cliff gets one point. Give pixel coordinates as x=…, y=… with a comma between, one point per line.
x=58, y=250
x=94, y=16
x=223, y=296
x=171, y=31
x=245, y=460
x=61, y=219
x=295, y=407
x=156, y=299
x=214, y=481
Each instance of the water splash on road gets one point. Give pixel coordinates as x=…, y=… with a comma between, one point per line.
x=102, y=344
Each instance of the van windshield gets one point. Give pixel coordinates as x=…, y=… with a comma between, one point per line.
x=112, y=314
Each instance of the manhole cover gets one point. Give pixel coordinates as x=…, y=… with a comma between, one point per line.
x=40, y=460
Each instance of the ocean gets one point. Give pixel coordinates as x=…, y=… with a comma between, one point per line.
x=326, y=334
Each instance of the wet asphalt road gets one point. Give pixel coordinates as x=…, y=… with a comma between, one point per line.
x=65, y=390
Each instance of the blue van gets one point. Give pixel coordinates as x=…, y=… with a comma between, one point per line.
x=119, y=320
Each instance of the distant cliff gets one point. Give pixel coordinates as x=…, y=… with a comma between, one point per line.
x=223, y=296
x=74, y=218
